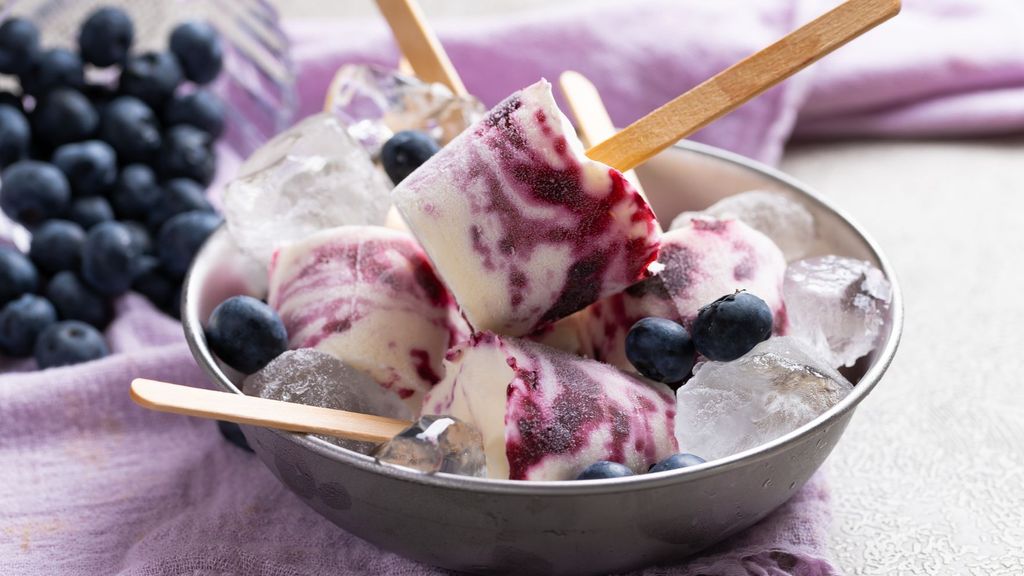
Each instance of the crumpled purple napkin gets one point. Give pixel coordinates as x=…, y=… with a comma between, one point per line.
x=93, y=484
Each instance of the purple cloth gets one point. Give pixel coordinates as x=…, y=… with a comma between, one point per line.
x=95, y=485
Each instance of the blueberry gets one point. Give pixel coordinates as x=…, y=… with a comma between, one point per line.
x=64, y=116
x=74, y=300
x=232, y=433
x=181, y=237
x=110, y=258
x=141, y=237
x=197, y=46
x=106, y=37
x=57, y=246
x=100, y=95
x=21, y=322
x=179, y=195
x=9, y=99
x=89, y=211
x=69, y=342
x=661, y=350
x=19, y=45
x=157, y=286
x=132, y=129
x=136, y=193
x=604, y=469
x=151, y=77
x=246, y=333
x=201, y=109
x=676, y=461
x=34, y=192
x=731, y=326
x=52, y=69
x=90, y=166
x=15, y=135
x=187, y=153
x=17, y=275
x=405, y=152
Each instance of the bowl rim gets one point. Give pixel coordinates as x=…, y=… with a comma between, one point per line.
x=196, y=341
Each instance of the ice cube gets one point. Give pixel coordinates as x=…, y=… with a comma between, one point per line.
x=375, y=102
x=837, y=305
x=437, y=444
x=310, y=177
x=307, y=376
x=785, y=221
x=729, y=407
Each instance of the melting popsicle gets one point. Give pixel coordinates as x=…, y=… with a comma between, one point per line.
x=369, y=296
x=546, y=415
x=521, y=225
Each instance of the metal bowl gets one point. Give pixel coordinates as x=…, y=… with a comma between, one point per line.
x=497, y=527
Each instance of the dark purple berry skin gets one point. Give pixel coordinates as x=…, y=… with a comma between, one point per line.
x=64, y=116
x=199, y=50
x=34, y=192
x=187, y=152
x=21, y=323
x=603, y=469
x=70, y=342
x=15, y=135
x=106, y=37
x=151, y=77
x=52, y=69
x=75, y=300
x=661, y=350
x=731, y=326
x=675, y=462
x=18, y=276
x=246, y=334
x=19, y=45
x=131, y=127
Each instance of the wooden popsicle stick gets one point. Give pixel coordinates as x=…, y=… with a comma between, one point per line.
x=241, y=409
x=731, y=88
x=592, y=119
x=419, y=44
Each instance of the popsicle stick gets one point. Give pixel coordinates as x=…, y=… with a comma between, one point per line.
x=189, y=401
x=419, y=44
x=592, y=119
x=731, y=88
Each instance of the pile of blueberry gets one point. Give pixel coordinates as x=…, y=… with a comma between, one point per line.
x=724, y=330
x=109, y=177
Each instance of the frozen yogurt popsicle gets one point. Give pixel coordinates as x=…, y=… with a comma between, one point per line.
x=546, y=415
x=704, y=259
x=369, y=296
x=521, y=225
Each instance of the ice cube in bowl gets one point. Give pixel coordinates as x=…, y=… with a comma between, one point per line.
x=499, y=526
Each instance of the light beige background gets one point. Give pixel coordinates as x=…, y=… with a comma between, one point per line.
x=929, y=478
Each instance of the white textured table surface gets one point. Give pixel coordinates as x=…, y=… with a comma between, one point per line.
x=929, y=477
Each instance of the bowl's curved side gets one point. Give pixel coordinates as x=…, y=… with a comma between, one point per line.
x=568, y=527
x=582, y=533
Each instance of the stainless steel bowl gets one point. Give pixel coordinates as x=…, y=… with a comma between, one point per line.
x=499, y=527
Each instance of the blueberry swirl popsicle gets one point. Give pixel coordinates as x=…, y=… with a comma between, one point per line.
x=703, y=259
x=546, y=414
x=521, y=225
x=369, y=296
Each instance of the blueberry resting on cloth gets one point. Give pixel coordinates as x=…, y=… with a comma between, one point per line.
x=69, y=342
x=198, y=48
x=21, y=323
x=106, y=37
